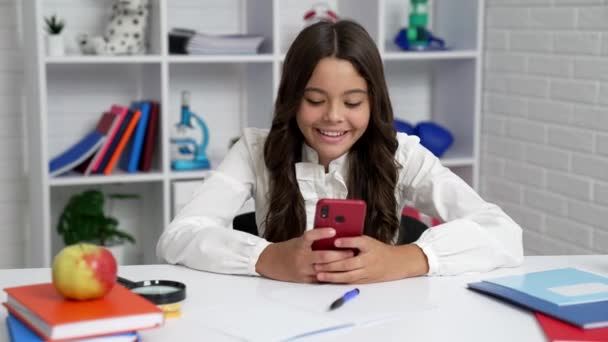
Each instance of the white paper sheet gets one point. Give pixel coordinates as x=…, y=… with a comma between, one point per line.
x=375, y=302
x=261, y=319
x=288, y=311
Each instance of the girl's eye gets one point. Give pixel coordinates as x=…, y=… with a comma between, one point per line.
x=352, y=104
x=314, y=102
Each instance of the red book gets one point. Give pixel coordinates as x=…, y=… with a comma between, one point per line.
x=53, y=317
x=557, y=330
x=145, y=162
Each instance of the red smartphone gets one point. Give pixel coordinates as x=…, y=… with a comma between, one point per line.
x=346, y=216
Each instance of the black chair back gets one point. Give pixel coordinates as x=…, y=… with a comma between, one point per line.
x=410, y=228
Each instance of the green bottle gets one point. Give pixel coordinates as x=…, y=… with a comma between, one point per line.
x=418, y=20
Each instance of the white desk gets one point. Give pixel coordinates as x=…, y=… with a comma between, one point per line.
x=459, y=314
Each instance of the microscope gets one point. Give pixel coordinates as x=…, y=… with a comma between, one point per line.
x=190, y=153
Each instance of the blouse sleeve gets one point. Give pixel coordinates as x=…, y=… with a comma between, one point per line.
x=475, y=236
x=201, y=235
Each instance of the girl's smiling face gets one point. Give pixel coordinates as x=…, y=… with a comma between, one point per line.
x=335, y=109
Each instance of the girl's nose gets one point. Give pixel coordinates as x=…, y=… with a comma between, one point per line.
x=334, y=113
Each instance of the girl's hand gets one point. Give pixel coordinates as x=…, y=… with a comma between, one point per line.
x=375, y=262
x=293, y=260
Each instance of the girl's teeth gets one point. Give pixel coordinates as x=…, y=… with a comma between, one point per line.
x=331, y=134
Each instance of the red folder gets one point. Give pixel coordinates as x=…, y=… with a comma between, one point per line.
x=557, y=330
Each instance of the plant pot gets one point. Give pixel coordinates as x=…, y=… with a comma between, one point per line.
x=55, y=45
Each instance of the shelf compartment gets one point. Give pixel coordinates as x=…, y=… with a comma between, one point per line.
x=133, y=215
x=291, y=17
x=455, y=22
x=92, y=17
x=441, y=91
x=77, y=95
x=228, y=97
x=224, y=17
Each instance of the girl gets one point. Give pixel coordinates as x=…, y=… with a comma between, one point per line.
x=332, y=136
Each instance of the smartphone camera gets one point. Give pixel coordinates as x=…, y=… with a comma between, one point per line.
x=324, y=211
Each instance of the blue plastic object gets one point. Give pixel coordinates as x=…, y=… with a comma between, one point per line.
x=434, y=137
x=403, y=127
x=433, y=43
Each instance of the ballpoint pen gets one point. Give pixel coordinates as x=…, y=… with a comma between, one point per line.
x=346, y=297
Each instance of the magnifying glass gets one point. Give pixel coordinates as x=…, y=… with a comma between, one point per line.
x=166, y=294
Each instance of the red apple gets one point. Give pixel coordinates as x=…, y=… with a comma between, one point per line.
x=84, y=271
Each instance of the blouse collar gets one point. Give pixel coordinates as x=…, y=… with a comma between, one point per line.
x=309, y=155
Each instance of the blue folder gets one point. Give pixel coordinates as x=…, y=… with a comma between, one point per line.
x=587, y=315
x=561, y=286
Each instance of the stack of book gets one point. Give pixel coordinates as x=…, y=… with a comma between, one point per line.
x=570, y=304
x=195, y=43
x=39, y=313
x=123, y=136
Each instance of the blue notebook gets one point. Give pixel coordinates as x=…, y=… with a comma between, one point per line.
x=577, y=299
x=132, y=154
x=19, y=332
x=76, y=154
x=564, y=286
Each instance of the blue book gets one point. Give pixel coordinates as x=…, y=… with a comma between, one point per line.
x=132, y=153
x=564, y=286
x=586, y=315
x=76, y=154
x=19, y=332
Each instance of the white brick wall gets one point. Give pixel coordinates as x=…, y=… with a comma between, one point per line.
x=13, y=183
x=545, y=121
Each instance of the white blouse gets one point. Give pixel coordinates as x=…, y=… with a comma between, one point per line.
x=476, y=235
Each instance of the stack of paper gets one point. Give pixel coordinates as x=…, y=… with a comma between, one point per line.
x=224, y=44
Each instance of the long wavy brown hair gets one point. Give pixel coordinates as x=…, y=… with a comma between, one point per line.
x=372, y=169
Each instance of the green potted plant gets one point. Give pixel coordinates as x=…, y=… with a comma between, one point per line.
x=83, y=220
x=54, y=39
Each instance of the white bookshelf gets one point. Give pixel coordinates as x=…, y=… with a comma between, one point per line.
x=66, y=95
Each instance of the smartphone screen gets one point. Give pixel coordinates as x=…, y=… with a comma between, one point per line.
x=346, y=216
